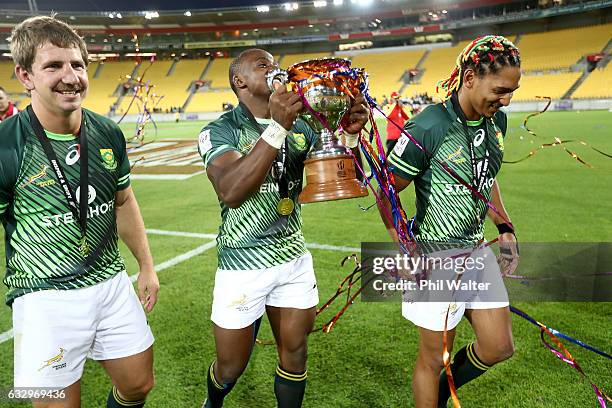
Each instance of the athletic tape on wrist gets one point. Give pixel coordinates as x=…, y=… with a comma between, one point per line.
x=351, y=140
x=275, y=135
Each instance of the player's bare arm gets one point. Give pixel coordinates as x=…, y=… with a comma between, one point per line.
x=130, y=227
x=509, y=254
x=355, y=121
x=235, y=176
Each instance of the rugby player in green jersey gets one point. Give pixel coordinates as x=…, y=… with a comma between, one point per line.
x=466, y=134
x=254, y=158
x=65, y=197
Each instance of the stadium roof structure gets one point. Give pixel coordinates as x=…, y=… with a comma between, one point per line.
x=187, y=13
x=119, y=26
x=104, y=22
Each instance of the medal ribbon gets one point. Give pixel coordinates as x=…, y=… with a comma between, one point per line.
x=79, y=211
x=279, y=167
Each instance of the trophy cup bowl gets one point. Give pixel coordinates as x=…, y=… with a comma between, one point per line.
x=330, y=171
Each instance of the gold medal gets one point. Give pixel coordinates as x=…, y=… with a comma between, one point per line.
x=84, y=247
x=285, y=206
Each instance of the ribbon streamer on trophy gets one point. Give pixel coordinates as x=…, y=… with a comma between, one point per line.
x=327, y=86
x=326, y=92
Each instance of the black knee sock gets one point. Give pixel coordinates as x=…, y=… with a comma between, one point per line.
x=465, y=367
x=115, y=400
x=216, y=391
x=289, y=388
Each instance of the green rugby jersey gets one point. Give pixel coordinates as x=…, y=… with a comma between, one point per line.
x=254, y=235
x=445, y=209
x=41, y=234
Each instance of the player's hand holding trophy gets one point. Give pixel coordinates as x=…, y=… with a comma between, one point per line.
x=327, y=87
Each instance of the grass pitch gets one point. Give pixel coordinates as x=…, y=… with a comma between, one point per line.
x=367, y=360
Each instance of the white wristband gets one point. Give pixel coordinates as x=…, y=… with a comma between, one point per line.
x=275, y=135
x=351, y=141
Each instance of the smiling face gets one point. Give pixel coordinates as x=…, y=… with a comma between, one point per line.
x=57, y=80
x=489, y=92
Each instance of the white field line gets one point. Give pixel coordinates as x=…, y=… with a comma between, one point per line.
x=7, y=335
x=165, y=176
x=180, y=234
x=180, y=258
x=311, y=245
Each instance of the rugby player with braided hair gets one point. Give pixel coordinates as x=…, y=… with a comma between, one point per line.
x=464, y=133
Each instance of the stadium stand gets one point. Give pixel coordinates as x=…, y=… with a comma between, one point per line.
x=597, y=85
x=12, y=86
x=386, y=68
x=553, y=85
x=546, y=71
x=211, y=101
x=101, y=94
x=562, y=48
x=7, y=81
x=436, y=67
x=217, y=73
x=178, y=83
x=171, y=79
x=154, y=74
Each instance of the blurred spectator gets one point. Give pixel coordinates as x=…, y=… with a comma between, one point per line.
x=396, y=120
x=7, y=108
x=385, y=101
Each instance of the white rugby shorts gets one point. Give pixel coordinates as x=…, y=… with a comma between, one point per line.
x=431, y=315
x=56, y=330
x=241, y=296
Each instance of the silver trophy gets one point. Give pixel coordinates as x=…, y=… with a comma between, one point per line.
x=330, y=172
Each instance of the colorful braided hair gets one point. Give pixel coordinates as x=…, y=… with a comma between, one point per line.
x=484, y=55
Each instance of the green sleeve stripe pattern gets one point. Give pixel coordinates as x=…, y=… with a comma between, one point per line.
x=405, y=167
x=123, y=180
x=3, y=208
x=216, y=152
x=254, y=235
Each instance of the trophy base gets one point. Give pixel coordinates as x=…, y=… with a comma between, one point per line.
x=331, y=178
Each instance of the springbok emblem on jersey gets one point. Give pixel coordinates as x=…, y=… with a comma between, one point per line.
x=42, y=173
x=456, y=157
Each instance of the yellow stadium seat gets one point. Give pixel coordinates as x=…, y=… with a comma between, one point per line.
x=438, y=66
x=10, y=84
x=386, y=68
x=211, y=101
x=218, y=73
x=100, y=96
x=174, y=88
x=552, y=85
x=597, y=85
x=562, y=48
